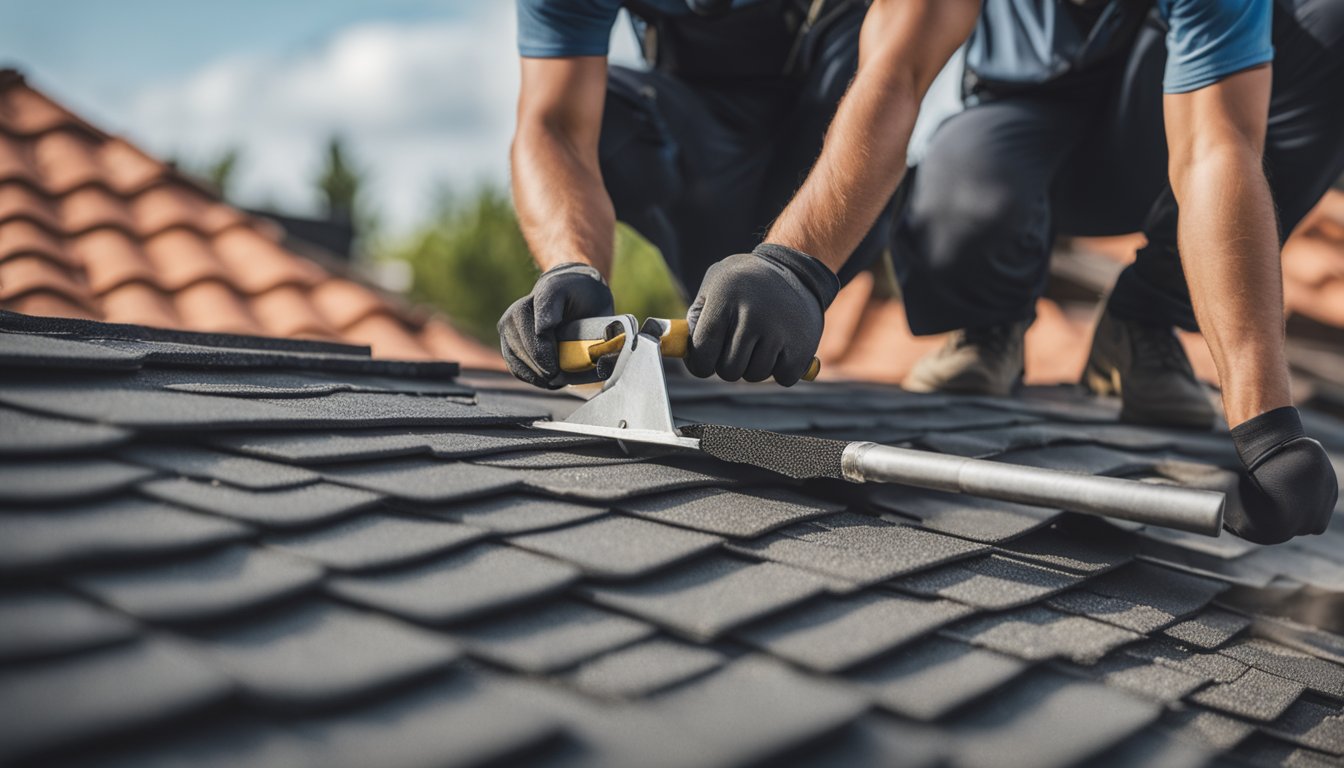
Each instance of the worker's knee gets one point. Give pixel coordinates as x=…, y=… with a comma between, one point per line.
x=956, y=228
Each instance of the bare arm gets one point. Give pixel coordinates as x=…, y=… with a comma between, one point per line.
x=1228, y=236
x=902, y=47
x=563, y=207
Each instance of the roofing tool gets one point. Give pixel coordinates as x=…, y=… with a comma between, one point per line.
x=632, y=406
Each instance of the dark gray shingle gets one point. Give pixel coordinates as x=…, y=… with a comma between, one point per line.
x=125, y=686
x=518, y=513
x=459, y=585
x=29, y=434
x=550, y=637
x=289, y=508
x=730, y=513
x=425, y=480
x=226, y=581
x=205, y=464
x=993, y=582
x=618, y=547
x=1255, y=695
x=47, y=622
x=833, y=633
x=857, y=548
x=707, y=597
x=643, y=668
x=118, y=529
x=969, y=517
x=320, y=654
x=1210, y=629
x=931, y=678
x=1036, y=633
x=376, y=541
x=774, y=709
x=1045, y=720
x=65, y=480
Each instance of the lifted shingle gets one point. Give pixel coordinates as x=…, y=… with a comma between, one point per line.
x=773, y=710
x=425, y=480
x=60, y=703
x=518, y=513
x=1045, y=720
x=205, y=464
x=116, y=530
x=289, y=508
x=29, y=434
x=643, y=668
x=1038, y=633
x=1255, y=695
x=46, y=622
x=993, y=582
x=550, y=637
x=618, y=547
x=833, y=633
x=320, y=654
x=458, y=586
x=730, y=513
x=710, y=596
x=376, y=541
x=223, y=582
x=857, y=548
x=935, y=676
x=64, y=480
x=1209, y=630
x=969, y=517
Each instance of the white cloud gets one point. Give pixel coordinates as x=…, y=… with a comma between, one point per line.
x=422, y=104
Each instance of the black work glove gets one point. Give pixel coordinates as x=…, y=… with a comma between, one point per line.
x=1289, y=488
x=563, y=293
x=759, y=315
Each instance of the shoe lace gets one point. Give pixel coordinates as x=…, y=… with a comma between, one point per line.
x=1158, y=348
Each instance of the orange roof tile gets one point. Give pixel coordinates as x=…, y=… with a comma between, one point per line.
x=91, y=226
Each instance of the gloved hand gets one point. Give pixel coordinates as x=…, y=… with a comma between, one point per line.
x=759, y=315
x=563, y=293
x=1290, y=489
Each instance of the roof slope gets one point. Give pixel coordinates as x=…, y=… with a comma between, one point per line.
x=228, y=551
x=92, y=227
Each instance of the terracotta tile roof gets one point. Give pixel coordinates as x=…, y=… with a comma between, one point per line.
x=867, y=336
x=92, y=227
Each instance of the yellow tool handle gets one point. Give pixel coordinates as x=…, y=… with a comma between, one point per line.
x=582, y=354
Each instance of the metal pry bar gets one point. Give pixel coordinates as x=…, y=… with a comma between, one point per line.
x=633, y=403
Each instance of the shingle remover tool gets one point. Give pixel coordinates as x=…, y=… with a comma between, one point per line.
x=632, y=406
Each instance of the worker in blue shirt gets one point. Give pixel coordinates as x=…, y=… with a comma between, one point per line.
x=1090, y=117
x=698, y=153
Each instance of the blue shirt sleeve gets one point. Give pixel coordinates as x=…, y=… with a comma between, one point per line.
x=1207, y=40
x=554, y=28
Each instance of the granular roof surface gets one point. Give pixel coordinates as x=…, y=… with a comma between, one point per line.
x=223, y=550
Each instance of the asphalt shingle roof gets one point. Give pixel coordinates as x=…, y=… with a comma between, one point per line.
x=221, y=550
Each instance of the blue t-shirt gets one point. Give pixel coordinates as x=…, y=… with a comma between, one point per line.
x=1032, y=42
x=554, y=28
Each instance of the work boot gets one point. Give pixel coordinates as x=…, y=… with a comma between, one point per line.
x=1147, y=368
x=974, y=361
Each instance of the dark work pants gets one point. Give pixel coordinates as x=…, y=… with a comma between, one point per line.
x=701, y=169
x=1001, y=179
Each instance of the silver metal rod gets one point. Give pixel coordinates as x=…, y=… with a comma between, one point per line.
x=1187, y=509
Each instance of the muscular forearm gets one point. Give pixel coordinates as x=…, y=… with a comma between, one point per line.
x=1229, y=244
x=563, y=207
x=903, y=47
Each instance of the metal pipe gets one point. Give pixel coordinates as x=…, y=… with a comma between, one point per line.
x=1187, y=509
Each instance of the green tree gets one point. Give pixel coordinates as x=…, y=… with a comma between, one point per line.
x=221, y=170
x=470, y=260
x=339, y=182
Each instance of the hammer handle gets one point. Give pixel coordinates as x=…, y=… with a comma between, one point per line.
x=580, y=355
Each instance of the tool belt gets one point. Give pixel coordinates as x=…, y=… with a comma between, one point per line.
x=760, y=40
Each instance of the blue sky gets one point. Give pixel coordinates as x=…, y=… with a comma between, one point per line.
x=423, y=89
